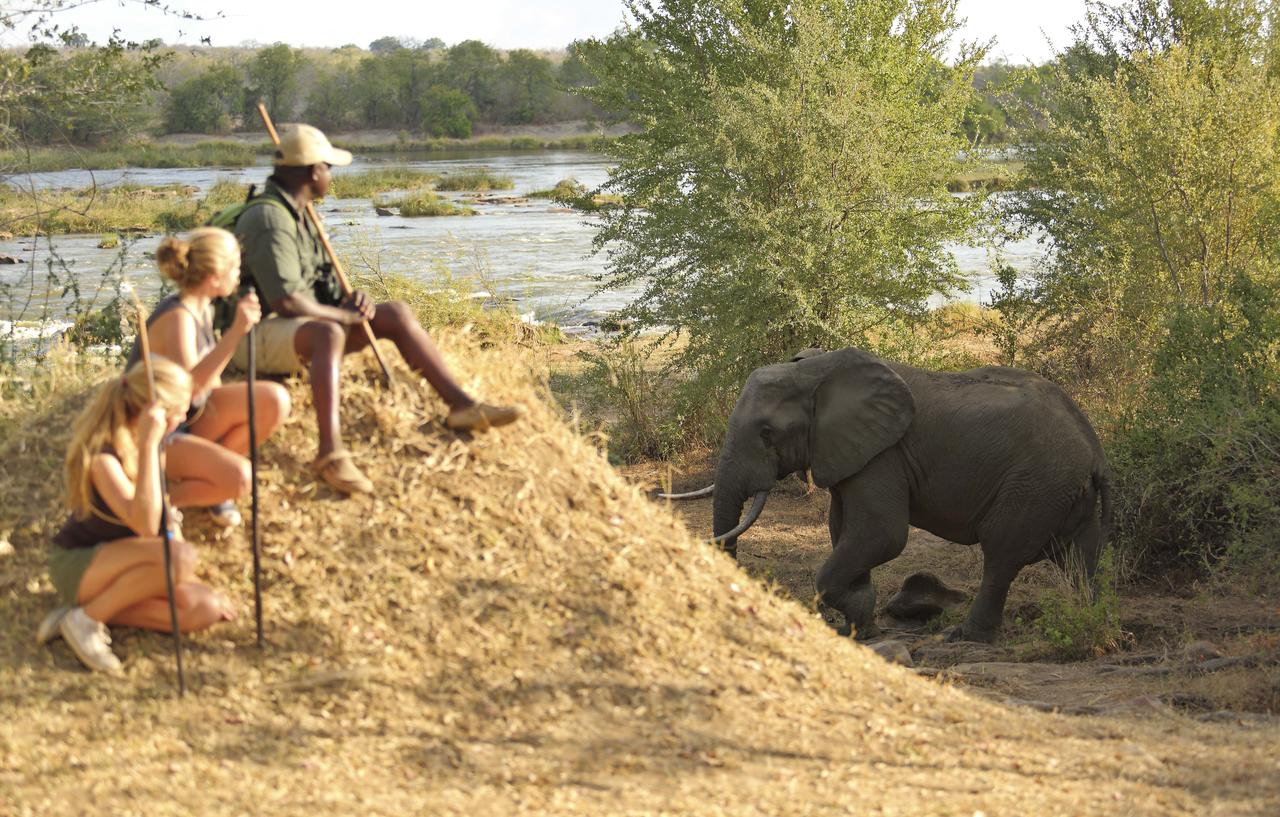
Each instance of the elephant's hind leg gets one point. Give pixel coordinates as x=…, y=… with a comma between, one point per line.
x=868, y=529
x=1010, y=542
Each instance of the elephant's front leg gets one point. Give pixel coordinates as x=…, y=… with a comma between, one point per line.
x=868, y=529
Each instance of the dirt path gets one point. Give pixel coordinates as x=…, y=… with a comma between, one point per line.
x=1214, y=657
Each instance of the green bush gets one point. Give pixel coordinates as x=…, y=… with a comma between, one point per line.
x=383, y=180
x=629, y=388
x=1079, y=623
x=1196, y=456
x=759, y=212
x=427, y=203
x=1153, y=170
x=480, y=180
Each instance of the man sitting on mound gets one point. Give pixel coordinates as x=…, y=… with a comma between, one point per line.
x=311, y=326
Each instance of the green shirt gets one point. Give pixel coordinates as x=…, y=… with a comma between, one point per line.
x=281, y=253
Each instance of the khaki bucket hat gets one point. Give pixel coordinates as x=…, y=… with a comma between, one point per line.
x=303, y=145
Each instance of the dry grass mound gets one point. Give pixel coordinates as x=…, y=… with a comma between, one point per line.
x=507, y=626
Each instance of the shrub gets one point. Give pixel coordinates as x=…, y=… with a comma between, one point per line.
x=383, y=180
x=427, y=203
x=480, y=180
x=1077, y=620
x=775, y=198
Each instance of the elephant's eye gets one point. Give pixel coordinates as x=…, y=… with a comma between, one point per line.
x=766, y=434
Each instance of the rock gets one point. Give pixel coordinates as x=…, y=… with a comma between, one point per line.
x=895, y=652
x=923, y=596
x=9, y=259
x=1198, y=651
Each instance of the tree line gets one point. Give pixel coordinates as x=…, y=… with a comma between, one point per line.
x=419, y=86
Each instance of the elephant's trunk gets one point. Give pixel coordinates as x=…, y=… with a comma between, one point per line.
x=752, y=516
x=730, y=494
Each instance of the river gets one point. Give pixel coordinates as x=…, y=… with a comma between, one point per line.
x=531, y=253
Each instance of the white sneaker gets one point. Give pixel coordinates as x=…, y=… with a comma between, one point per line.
x=89, y=640
x=225, y=515
x=48, y=629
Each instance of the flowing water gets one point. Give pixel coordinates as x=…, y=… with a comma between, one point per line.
x=530, y=252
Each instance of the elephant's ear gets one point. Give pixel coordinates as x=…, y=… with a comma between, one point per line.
x=860, y=408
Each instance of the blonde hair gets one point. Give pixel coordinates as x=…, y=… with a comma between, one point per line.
x=105, y=422
x=206, y=251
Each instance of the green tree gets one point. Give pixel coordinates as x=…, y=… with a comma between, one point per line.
x=526, y=88
x=1153, y=170
x=447, y=112
x=87, y=96
x=472, y=67
x=333, y=101
x=274, y=79
x=206, y=103
x=789, y=186
x=385, y=45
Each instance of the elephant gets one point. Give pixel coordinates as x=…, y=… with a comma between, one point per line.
x=996, y=455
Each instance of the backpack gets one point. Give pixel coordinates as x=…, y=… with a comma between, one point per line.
x=224, y=308
x=227, y=217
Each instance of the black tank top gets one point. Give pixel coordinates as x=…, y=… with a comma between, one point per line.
x=100, y=526
x=205, y=341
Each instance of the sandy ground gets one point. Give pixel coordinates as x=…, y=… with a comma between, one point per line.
x=1213, y=655
x=508, y=627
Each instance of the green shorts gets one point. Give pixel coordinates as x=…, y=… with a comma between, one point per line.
x=276, y=354
x=67, y=567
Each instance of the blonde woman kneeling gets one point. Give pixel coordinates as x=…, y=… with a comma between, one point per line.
x=206, y=462
x=107, y=561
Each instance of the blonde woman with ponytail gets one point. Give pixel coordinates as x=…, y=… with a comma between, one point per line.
x=107, y=561
x=207, y=463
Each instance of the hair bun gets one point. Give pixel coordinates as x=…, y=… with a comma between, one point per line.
x=173, y=256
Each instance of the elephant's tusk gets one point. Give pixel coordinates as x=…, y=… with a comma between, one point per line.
x=752, y=515
x=698, y=494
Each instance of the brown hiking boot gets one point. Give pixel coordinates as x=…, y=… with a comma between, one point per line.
x=337, y=469
x=482, y=416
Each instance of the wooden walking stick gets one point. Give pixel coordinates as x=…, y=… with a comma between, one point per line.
x=165, y=534
x=333, y=256
x=253, y=471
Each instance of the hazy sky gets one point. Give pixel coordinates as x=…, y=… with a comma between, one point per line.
x=1020, y=27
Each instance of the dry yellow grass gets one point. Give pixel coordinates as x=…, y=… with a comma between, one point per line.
x=510, y=627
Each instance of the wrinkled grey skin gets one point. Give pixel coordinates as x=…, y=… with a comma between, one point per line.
x=996, y=456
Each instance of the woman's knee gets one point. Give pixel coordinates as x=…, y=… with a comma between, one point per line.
x=275, y=402
x=198, y=607
x=184, y=560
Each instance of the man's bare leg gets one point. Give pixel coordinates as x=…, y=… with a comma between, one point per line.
x=321, y=344
x=395, y=321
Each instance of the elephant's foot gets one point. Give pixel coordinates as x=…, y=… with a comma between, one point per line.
x=867, y=631
x=968, y=632
x=864, y=633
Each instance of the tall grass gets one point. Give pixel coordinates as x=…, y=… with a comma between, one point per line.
x=368, y=184
x=427, y=203
x=124, y=208
x=480, y=180
x=203, y=154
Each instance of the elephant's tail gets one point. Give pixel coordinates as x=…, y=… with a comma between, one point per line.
x=1102, y=484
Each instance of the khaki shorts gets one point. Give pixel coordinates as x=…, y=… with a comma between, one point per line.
x=67, y=567
x=276, y=354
